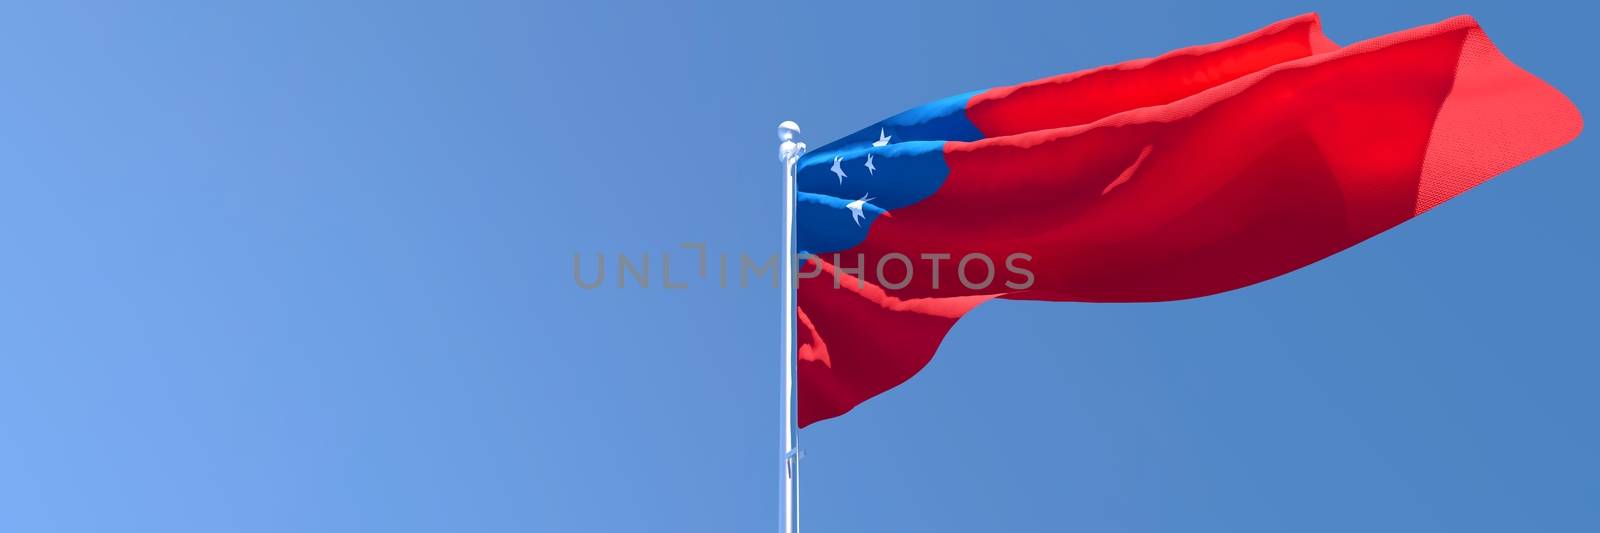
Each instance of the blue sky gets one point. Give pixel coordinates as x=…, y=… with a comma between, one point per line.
x=307, y=267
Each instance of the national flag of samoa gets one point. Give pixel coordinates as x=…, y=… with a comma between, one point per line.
x=1200, y=171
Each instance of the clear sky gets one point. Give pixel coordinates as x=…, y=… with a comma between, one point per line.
x=306, y=266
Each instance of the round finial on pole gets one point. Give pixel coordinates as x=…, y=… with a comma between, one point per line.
x=791, y=149
x=788, y=130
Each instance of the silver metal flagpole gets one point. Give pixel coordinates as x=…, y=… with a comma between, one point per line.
x=789, y=151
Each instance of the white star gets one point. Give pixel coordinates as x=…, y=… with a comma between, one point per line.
x=855, y=208
x=883, y=140
x=871, y=169
x=836, y=169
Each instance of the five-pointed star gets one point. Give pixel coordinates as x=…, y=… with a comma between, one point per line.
x=836, y=170
x=855, y=208
x=883, y=140
x=871, y=169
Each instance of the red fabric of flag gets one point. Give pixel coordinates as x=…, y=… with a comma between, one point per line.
x=1202, y=171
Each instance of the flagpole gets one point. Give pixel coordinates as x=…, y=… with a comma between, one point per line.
x=789, y=151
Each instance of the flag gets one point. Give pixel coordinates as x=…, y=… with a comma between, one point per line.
x=1200, y=171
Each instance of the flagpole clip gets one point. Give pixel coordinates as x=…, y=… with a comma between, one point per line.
x=792, y=459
